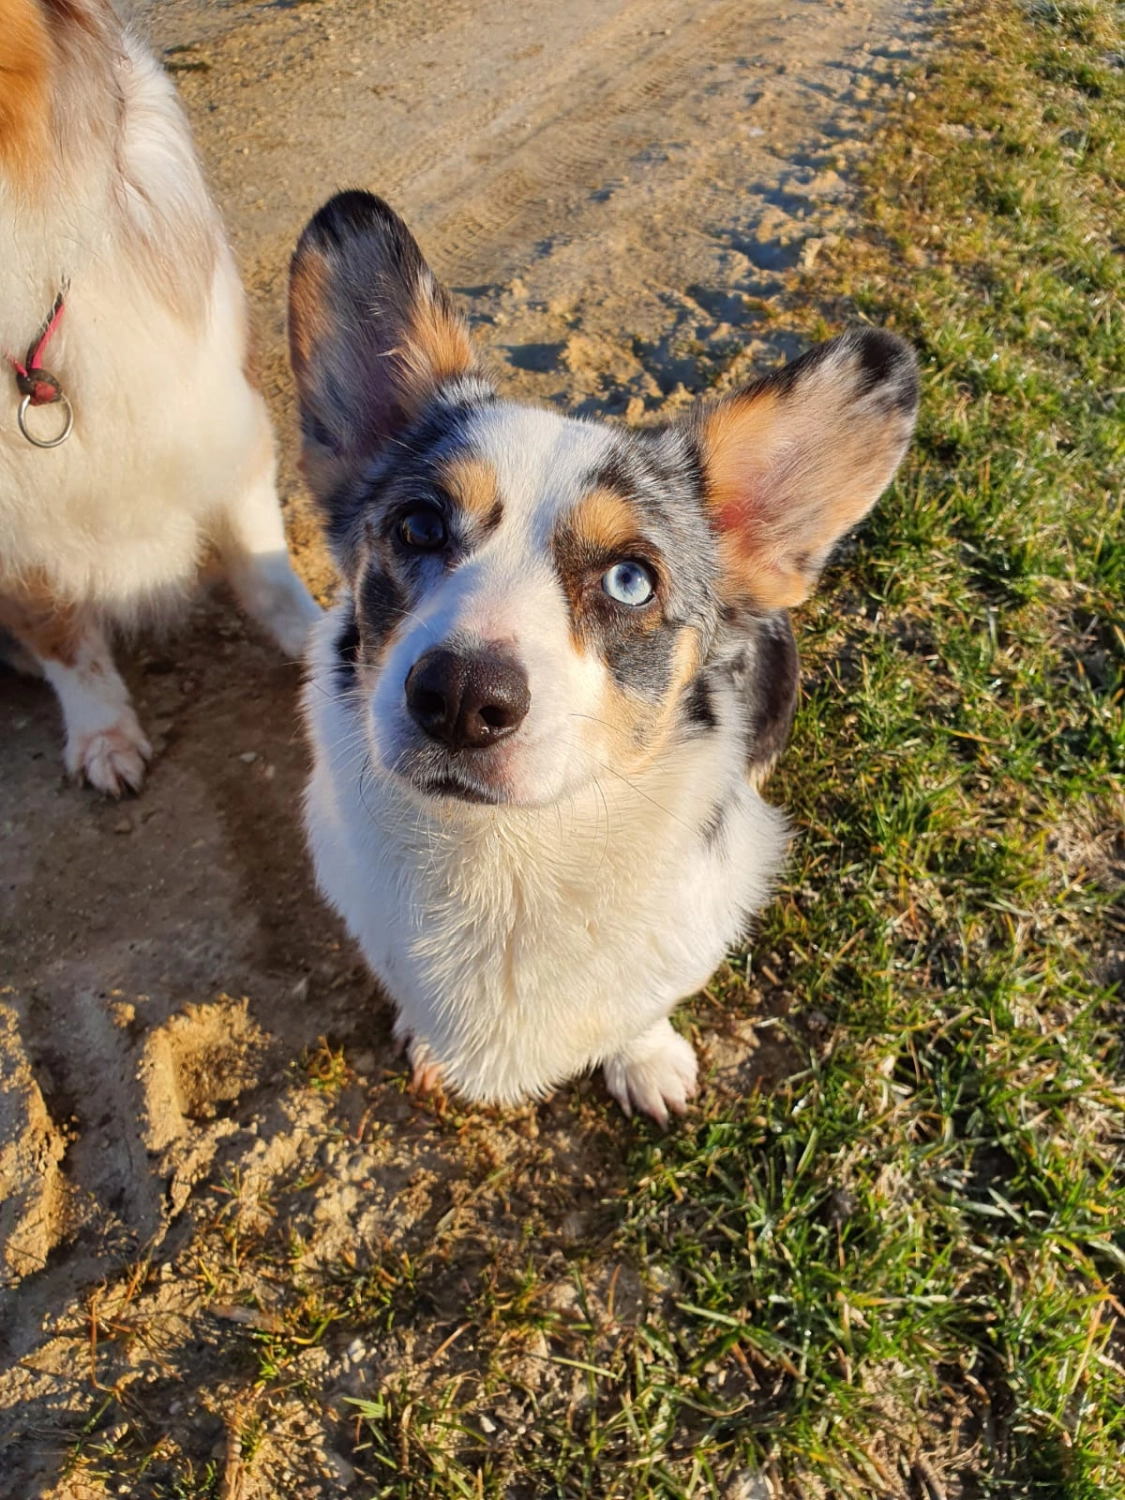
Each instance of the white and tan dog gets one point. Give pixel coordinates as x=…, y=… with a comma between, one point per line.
x=560, y=667
x=115, y=277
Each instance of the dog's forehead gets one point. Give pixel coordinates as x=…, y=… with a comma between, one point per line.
x=568, y=494
x=540, y=462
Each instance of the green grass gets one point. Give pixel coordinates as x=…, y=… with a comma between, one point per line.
x=901, y=1270
x=919, y=1241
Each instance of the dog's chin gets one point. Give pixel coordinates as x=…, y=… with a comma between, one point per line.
x=449, y=788
x=440, y=782
x=450, y=782
x=452, y=789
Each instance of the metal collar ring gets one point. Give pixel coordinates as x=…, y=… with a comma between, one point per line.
x=46, y=442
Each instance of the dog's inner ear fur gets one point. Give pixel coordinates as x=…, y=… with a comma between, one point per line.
x=793, y=462
x=372, y=335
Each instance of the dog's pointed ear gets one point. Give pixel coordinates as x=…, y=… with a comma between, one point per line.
x=372, y=336
x=794, y=461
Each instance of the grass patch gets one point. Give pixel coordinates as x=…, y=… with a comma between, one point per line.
x=916, y=1246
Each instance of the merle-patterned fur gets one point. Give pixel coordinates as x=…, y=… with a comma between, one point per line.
x=521, y=949
x=885, y=362
x=659, y=474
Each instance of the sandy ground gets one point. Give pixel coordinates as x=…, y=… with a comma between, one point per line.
x=614, y=188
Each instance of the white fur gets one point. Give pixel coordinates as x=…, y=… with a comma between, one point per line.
x=524, y=945
x=172, y=451
x=104, y=740
x=527, y=942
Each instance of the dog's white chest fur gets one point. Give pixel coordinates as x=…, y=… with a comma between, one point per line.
x=523, y=946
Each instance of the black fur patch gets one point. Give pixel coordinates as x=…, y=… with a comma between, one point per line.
x=618, y=473
x=346, y=649
x=699, y=705
x=771, y=691
x=885, y=362
x=380, y=606
x=354, y=213
x=490, y=522
x=641, y=661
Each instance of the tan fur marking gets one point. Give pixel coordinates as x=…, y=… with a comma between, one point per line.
x=310, y=322
x=788, y=474
x=26, y=58
x=687, y=663
x=435, y=346
x=471, y=485
x=38, y=621
x=639, y=729
x=604, y=521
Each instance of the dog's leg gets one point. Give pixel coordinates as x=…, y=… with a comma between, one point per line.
x=656, y=1073
x=104, y=742
x=256, y=558
x=425, y=1077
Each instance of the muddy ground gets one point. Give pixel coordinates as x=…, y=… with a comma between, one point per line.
x=615, y=189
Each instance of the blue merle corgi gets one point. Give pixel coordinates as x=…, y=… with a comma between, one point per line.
x=559, y=668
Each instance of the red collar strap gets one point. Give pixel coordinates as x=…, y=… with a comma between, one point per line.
x=35, y=383
x=38, y=386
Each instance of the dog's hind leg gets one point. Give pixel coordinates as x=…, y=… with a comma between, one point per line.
x=104, y=742
x=252, y=544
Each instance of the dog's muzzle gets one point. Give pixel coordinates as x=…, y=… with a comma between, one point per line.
x=467, y=700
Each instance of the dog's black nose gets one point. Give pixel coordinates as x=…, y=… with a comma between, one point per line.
x=468, y=701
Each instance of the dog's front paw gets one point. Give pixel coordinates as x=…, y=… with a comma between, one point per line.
x=271, y=592
x=425, y=1076
x=657, y=1073
x=290, y=615
x=112, y=759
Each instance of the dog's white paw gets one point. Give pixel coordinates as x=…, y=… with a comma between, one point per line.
x=272, y=593
x=111, y=759
x=656, y=1074
x=425, y=1077
x=290, y=615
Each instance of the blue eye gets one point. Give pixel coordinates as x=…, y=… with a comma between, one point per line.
x=630, y=583
x=423, y=529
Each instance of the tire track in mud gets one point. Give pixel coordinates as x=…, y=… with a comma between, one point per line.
x=489, y=130
x=581, y=129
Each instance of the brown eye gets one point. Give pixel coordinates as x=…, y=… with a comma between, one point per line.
x=423, y=529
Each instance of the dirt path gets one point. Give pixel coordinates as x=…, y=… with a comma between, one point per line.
x=614, y=188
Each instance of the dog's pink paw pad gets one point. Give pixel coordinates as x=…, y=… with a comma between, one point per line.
x=657, y=1076
x=112, y=760
x=426, y=1075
